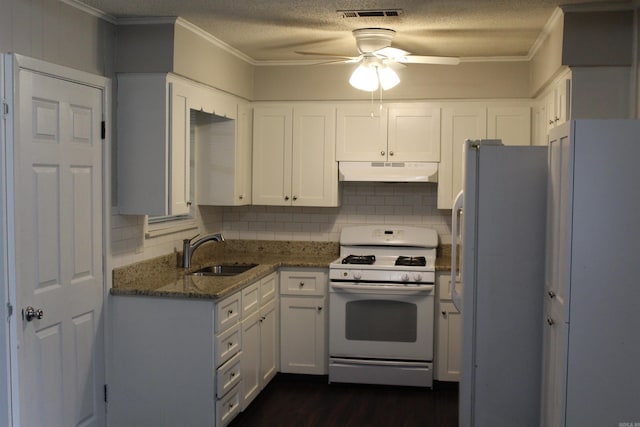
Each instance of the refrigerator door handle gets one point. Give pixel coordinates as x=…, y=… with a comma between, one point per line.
x=457, y=207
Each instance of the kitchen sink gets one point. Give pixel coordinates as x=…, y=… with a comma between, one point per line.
x=223, y=270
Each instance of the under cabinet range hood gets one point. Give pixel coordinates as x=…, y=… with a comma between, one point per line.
x=389, y=171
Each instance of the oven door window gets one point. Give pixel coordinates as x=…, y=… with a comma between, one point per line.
x=381, y=320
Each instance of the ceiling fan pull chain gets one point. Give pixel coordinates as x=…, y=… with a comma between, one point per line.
x=372, y=104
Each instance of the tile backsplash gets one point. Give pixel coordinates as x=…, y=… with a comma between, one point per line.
x=362, y=203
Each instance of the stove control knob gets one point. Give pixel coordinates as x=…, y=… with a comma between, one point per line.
x=357, y=275
x=404, y=277
x=417, y=277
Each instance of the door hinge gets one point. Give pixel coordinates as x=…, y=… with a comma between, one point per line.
x=106, y=393
x=5, y=109
x=103, y=130
x=9, y=310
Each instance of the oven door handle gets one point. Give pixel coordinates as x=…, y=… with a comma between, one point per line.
x=387, y=289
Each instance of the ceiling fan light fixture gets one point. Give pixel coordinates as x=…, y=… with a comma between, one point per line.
x=364, y=78
x=388, y=78
x=368, y=76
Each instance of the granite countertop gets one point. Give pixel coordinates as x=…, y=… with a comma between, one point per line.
x=160, y=277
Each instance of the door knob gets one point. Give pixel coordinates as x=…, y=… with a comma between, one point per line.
x=31, y=313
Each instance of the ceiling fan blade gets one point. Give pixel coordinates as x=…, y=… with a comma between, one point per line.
x=331, y=55
x=391, y=52
x=438, y=60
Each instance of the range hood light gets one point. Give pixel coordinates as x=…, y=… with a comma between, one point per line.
x=388, y=171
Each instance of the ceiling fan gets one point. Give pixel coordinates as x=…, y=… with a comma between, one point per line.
x=377, y=59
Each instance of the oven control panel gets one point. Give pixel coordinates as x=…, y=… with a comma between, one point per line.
x=381, y=276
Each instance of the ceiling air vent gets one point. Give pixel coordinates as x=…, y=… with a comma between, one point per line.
x=370, y=13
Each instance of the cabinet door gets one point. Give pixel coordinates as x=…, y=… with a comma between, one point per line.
x=414, y=133
x=361, y=133
x=459, y=123
x=250, y=358
x=314, y=168
x=180, y=159
x=302, y=335
x=554, y=367
x=559, y=199
x=511, y=124
x=244, y=139
x=449, y=342
x=272, y=143
x=268, y=343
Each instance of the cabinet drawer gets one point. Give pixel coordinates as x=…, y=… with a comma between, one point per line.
x=228, y=407
x=228, y=375
x=303, y=282
x=227, y=312
x=250, y=299
x=268, y=288
x=227, y=344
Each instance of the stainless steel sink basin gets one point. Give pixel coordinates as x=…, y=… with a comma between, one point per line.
x=223, y=270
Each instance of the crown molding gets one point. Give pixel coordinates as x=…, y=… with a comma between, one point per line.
x=91, y=11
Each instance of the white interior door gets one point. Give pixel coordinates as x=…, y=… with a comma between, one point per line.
x=58, y=251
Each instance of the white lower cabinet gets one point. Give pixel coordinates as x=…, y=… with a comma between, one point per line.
x=259, y=337
x=303, y=321
x=182, y=362
x=449, y=333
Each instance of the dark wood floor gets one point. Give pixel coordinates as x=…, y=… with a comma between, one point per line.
x=309, y=401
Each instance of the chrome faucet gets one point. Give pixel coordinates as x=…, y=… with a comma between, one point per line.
x=188, y=248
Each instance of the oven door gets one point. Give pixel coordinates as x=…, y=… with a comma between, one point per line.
x=381, y=321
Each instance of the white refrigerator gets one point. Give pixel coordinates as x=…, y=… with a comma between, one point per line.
x=502, y=214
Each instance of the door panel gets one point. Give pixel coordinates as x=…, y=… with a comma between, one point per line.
x=58, y=251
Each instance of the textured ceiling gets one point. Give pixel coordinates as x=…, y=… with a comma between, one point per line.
x=272, y=30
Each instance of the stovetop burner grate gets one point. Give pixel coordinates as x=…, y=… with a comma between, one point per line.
x=359, y=259
x=417, y=261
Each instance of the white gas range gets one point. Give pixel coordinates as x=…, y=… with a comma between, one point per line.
x=382, y=304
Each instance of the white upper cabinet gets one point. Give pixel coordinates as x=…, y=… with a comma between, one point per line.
x=397, y=132
x=294, y=155
x=223, y=158
x=510, y=122
x=361, y=133
x=413, y=133
x=153, y=144
x=459, y=122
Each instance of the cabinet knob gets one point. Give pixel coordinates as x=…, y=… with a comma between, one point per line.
x=286, y=197
x=301, y=284
x=295, y=198
x=550, y=321
x=189, y=203
x=241, y=197
x=391, y=153
x=557, y=119
x=319, y=308
x=230, y=313
x=444, y=314
x=551, y=122
x=551, y=294
x=382, y=153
